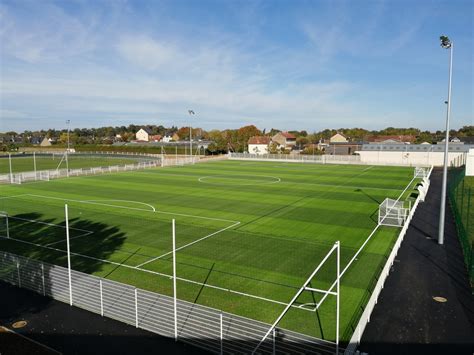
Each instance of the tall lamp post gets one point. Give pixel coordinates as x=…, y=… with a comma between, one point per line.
x=68, y=122
x=191, y=113
x=446, y=44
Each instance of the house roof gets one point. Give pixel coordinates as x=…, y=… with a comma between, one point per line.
x=147, y=130
x=259, y=140
x=288, y=135
x=399, y=138
x=156, y=137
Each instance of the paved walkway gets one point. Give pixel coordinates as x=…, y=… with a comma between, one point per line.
x=407, y=319
x=71, y=330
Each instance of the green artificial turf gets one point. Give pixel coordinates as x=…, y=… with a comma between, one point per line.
x=264, y=227
x=22, y=163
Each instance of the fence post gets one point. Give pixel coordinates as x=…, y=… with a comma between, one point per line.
x=42, y=279
x=136, y=308
x=468, y=212
x=174, y=282
x=18, y=273
x=274, y=342
x=101, y=299
x=338, y=272
x=222, y=334
x=68, y=253
x=462, y=199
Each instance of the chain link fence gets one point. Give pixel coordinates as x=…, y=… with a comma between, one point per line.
x=461, y=196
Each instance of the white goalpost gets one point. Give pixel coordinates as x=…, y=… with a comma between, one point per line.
x=421, y=172
x=392, y=213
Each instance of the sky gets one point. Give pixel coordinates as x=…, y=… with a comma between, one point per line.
x=290, y=65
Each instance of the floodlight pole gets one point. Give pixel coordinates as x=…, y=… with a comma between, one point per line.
x=191, y=112
x=34, y=162
x=447, y=45
x=174, y=283
x=10, y=164
x=67, y=151
x=68, y=253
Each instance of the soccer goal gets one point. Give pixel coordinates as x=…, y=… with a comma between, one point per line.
x=16, y=179
x=4, y=229
x=421, y=172
x=43, y=175
x=392, y=213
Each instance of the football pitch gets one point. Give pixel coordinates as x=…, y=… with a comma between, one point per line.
x=21, y=163
x=248, y=234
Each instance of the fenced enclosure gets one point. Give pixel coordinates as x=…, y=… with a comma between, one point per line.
x=22, y=168
x=208, y=328
x=461, y=196
x=120, y=231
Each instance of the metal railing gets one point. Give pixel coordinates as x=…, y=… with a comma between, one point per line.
x=321, y=159
x=204, y=327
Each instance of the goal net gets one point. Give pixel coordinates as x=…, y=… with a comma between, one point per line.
x=16, y=179
x=392, y=213
x=421, y=172
x=44, y=175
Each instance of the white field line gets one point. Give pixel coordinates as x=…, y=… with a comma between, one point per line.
x=159, y=274
x=55, y=225
x=276, y=180
x=133, y=208
x=112, y=200
x=193, y=176
x=188, y=245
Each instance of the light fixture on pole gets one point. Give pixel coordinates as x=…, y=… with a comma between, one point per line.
x=191, y=112
x=446, y=44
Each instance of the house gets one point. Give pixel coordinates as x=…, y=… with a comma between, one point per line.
x=284, y=140
x=338, y=138
x=143, y=134
x=155, y=138
x=258, y=144
x=46, y=142
x=168, y=137
x=35, y=140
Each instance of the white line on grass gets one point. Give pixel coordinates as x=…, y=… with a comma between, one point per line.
x=133, y=208
x=275, y=180
x=159, y=274
x=114, y=200
x=187, y=245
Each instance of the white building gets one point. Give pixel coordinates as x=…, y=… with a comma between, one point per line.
x=259, y=145
x=143, y=135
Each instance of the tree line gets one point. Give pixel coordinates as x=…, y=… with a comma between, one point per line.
x=222, y=140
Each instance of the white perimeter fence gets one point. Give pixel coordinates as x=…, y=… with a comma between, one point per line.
x=321, y=159
x=365, y=318
x=18, y=178
x=146, y=161
x=205, y=327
